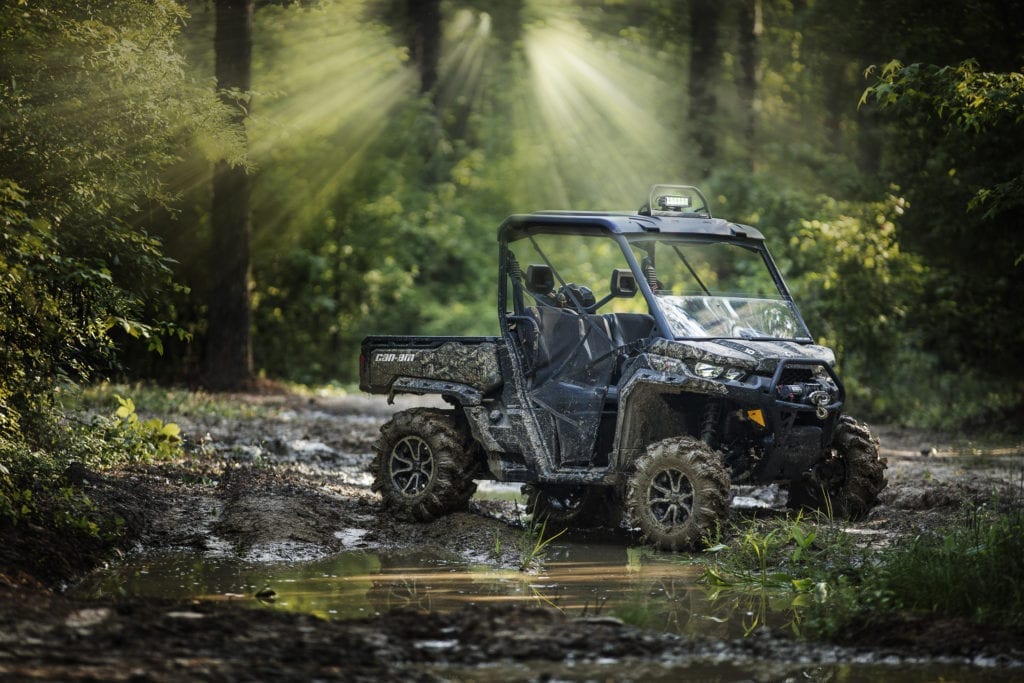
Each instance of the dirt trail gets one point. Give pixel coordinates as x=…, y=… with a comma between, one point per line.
x=291, y=484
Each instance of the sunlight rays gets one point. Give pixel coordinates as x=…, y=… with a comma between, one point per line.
x=462, y=64
x=323, y=97
x=593, y=114
x=334, y=68
x=589, y=119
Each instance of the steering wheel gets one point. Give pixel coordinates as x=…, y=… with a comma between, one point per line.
x=572, y=295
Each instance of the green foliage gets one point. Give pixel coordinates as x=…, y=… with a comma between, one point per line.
x=791, y=554
x=95, y=103
x=34, y=486
x=32, y=492
x=973, y=569
x=95, y=99
x=162, y=439
x=152, y=399
x=964, y=108
x=393, y=255
x=955, y=150
x=788, y=566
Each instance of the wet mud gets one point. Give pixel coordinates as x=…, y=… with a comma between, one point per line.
x=291, y=484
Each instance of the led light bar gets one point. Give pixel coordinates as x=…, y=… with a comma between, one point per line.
x=677, y=200
x=673, y=203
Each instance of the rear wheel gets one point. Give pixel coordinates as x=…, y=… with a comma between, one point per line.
x=424, y=466
x=848, y=482
x=573, y=506
x=679, y=492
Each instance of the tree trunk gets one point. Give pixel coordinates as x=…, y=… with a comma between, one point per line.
x=751, y=28
x=426, y=39
x=228, y=353
x=704, y=71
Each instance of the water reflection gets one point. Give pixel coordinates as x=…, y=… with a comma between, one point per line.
x=640, y=587
x=643, y=588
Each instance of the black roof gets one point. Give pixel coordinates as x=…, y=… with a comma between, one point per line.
x=518, y=226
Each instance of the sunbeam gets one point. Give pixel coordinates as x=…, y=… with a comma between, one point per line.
x=597, y=117
x=463, y=62
x=323, y=96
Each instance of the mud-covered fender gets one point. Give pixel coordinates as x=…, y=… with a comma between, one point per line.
x=644, y=382
x=464, y=394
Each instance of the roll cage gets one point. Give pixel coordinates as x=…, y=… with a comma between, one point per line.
x=631, y=232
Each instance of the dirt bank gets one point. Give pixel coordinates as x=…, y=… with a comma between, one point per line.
x=288, y=483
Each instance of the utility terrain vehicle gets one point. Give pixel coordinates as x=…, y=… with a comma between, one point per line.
x=646, y=361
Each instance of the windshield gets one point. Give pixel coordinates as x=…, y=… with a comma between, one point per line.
x=720, y=316
x=717, y=290
x=704, y=289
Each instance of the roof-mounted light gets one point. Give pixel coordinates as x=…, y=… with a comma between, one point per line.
x=677, y=200
x=669, y=202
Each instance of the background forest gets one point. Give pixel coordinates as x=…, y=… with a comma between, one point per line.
x=175, y=175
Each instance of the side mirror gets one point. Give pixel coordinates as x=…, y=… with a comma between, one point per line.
x=539, y=279
x=623, y=283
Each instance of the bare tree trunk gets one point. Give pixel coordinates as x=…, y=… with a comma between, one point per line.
x=751, y=29
x=704, y=72
x=228, y=353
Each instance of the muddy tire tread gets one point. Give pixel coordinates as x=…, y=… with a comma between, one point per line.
x=854, y=444
x=865, y=469
x=452, y=484
x=710, y=481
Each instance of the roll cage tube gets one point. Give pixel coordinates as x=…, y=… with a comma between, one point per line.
x=503, y=276
x=645, y=288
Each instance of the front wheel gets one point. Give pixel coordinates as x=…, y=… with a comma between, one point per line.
x=849, y=481
x=678, y=493
x=423, y=467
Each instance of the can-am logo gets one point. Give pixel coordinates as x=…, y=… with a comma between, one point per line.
x=394, y=357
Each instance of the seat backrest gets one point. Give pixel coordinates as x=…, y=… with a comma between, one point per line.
x=571, y=345
x=629, y=327
x=559, y=332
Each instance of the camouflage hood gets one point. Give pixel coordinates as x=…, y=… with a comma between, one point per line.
x=761, y=357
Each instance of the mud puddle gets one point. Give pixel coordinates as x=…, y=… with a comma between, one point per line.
x=581, y=580
x=731, y=637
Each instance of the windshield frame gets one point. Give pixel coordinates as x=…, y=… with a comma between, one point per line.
x=631, y=244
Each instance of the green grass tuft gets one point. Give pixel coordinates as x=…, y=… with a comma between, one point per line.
x=973, y=569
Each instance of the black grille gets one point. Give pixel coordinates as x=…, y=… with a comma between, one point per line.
x=797, y=374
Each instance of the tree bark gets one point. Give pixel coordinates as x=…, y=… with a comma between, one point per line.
x=228, y=352
x=751, y=29
x=705, y=58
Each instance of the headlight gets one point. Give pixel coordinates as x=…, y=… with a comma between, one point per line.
x=735, y=374
x=712, y=371
x=708, y=370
